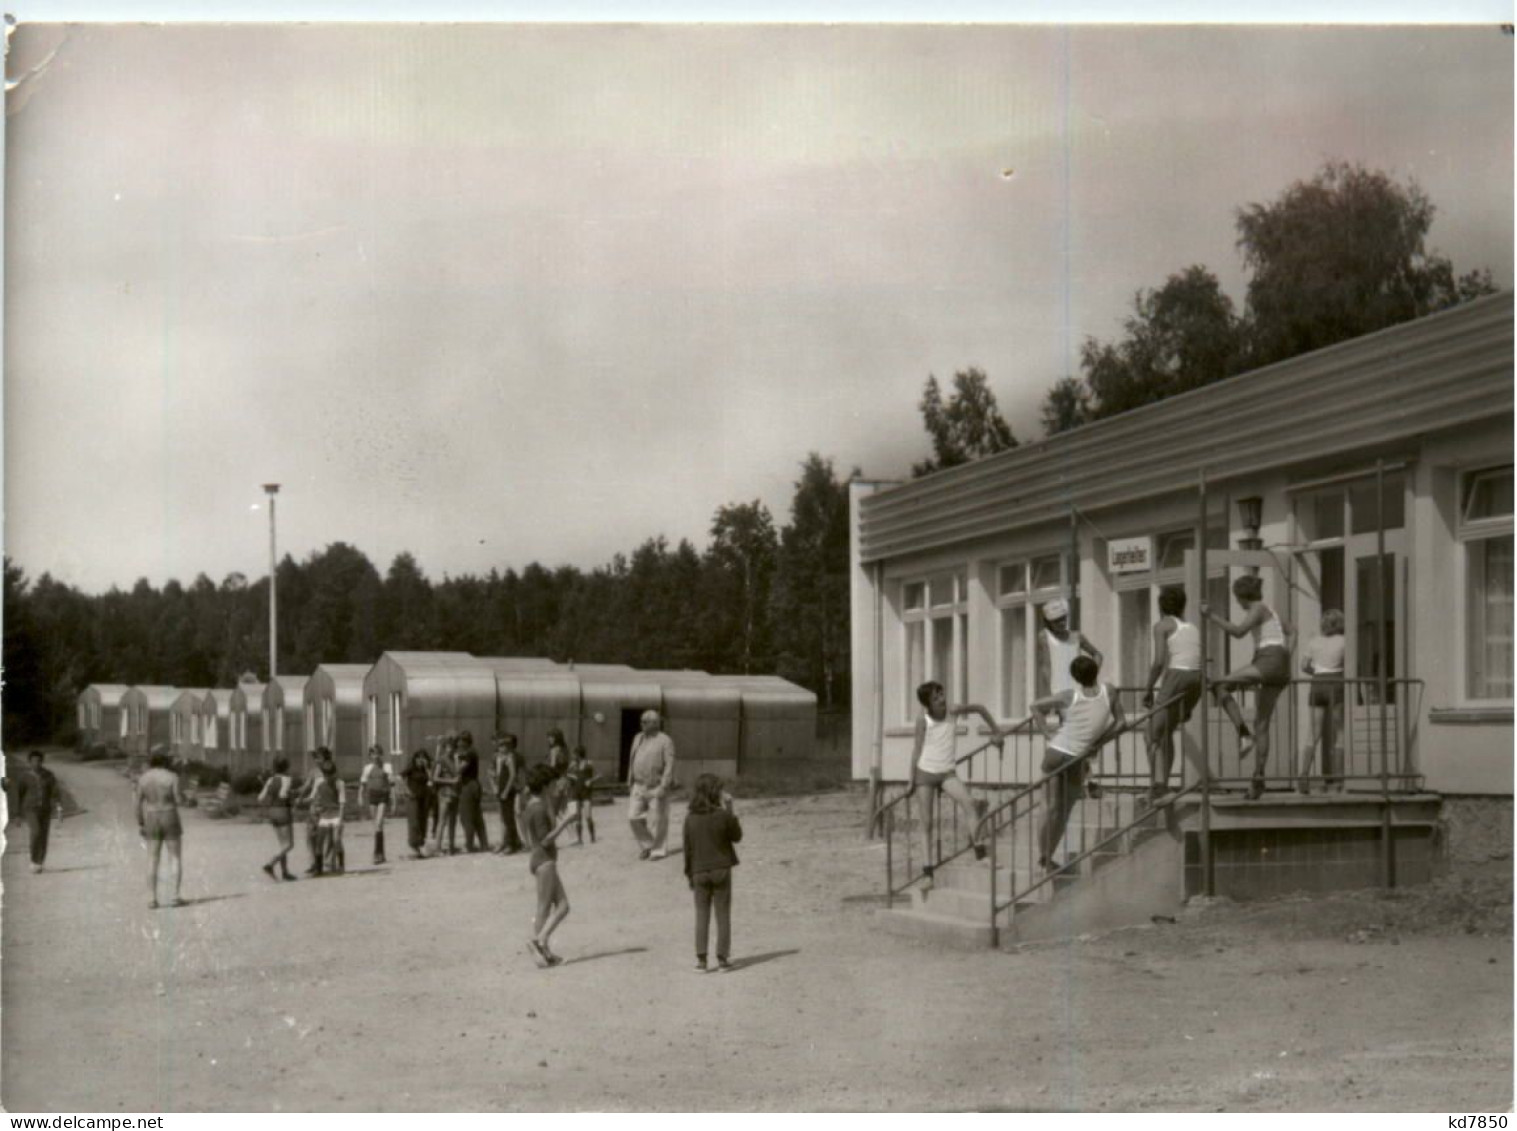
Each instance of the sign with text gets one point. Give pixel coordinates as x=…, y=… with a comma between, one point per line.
x=1129, y=555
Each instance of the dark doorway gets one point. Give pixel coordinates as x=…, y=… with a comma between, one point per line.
x=632, y=725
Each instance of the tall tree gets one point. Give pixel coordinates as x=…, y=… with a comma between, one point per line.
x=965, y=427
x=810, y=599
x=1066, y=406
x=741, y=564
x=1177, y=338
x=1339, y=256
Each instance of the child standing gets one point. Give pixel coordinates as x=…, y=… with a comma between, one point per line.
x=1324, y=663
x=711, y=829
x=581, y=776
x=278, y=795
x=328, y=801
x=542, y=833
x=935, y=765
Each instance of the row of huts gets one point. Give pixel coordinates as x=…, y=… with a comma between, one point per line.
x=728, y=725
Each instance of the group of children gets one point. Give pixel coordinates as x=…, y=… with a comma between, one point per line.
x=1077, y=718
x=538, y=804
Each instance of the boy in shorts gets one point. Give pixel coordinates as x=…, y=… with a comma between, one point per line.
x=1177, y=658
x=934, y=765
x=158, y=800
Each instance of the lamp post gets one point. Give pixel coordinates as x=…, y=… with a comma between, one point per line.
x=272, y=489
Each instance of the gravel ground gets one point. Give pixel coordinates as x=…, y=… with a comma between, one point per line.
x=407, y=987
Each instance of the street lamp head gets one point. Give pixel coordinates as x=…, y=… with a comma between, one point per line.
x=271, y=488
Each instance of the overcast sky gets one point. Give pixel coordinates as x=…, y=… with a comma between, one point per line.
x=505, y=294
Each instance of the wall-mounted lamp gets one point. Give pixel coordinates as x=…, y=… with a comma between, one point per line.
x=1251, y=513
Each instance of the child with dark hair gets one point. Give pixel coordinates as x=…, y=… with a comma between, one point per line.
x=580, y=777
x=1088, y=714
x=1177, y=658
x=542, y=834
x=278, y=795
x=418, y=779
x=711, y=829
x=1268, y=672
x=934, y=763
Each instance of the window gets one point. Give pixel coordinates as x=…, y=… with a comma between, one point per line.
x=1022, y=588
x=328, y=726
x=278, y=743
x=935, y=617
x=395, y=728
x=373, y=728
x=1485, y=534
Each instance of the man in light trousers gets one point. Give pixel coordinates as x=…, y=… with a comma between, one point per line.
x=652, y=775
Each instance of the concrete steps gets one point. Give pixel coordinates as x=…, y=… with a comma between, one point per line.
x=955, y=908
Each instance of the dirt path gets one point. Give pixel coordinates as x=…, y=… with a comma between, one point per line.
x=407, y=987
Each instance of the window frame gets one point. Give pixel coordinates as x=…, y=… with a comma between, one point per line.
x=1467, y=533
x=1027, y=600
x=929, y=615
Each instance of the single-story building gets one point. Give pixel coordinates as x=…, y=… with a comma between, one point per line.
x=100, y=718
x=186, y=722
x=215, y=726
x=147, y=709
x=333, y=713
x=1376, y=477
x=246, y=727
x=284, y=719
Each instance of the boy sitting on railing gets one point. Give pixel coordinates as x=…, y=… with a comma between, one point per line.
x=1088, y=715
x=933, y=762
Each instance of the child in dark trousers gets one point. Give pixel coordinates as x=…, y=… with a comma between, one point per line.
x=711, y=829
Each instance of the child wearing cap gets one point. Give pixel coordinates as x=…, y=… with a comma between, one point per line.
x=1058, y=645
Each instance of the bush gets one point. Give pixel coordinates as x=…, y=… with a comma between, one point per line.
x=204, y=776
x=248, y=782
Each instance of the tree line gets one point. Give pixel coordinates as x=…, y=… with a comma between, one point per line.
x=1334, y=257
x=757, y=599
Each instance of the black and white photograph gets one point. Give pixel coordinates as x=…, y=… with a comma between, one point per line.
x=932, y=565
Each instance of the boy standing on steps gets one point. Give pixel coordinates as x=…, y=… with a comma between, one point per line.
x=1088, y=715
x=935, y=764
x=1177, y=657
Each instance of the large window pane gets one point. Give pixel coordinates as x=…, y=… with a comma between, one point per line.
x=1046, y=572
x=1488, y=494
x=1375, y=593
x=1014, y=662
x=1013, y=579
x=961, y=680
x=942, y=590
x=912, y=595
x=916, y=663
x=1362, y=500
x=942, y=654
x=1489, y=624
x=1137, y=646
x=1219, y=596
x=1320, y=515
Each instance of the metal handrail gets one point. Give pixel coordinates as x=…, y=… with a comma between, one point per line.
x=1073, y=861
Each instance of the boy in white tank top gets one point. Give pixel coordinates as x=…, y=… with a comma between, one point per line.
x=1088, y=715
x=1268, y=673
x=1177, y=658
x=934, y=761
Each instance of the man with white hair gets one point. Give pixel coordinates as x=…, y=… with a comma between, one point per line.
x=651, y=775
